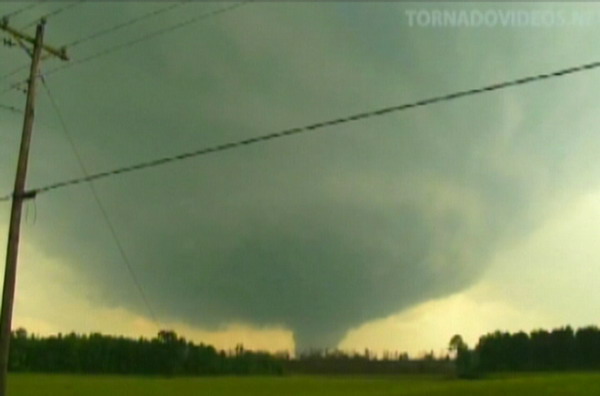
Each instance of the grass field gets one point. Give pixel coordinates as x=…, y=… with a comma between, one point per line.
x=529, y=385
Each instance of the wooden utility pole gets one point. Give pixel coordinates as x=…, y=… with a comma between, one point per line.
x=19, y=192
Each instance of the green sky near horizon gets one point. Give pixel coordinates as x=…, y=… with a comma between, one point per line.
x=364, y=233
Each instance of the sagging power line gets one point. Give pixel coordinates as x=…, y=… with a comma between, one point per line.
x=101, y=207
x=125, y=24
x=127, y=44
x=100, y=33
x=11, y=108
x=21, y=10
x=53, y=13
x=148, y=36
x=312, y=127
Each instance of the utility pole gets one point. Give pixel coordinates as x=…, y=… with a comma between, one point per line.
x=19, y=192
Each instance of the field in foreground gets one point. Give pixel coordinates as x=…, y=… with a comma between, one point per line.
x=529, y=385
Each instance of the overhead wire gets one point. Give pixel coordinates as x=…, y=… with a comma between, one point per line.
x=53, y=13
x=22, y=9
x=101, y=206
x=11, y=108
x=149, y=36
x=312, y=127
x=32, y=23
x=14, y=86
x=14, y=71
x=125, y=24
x=97, y=34
x=127, y=44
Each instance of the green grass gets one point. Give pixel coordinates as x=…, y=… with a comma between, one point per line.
x=528, y=385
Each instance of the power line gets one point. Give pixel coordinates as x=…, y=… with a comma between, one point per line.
x=133, y=42
x=11, y=108
x=150, y=35
x=104, y=32
x=103, y=211
x=13, y=86
x=53, y=13
x=22, y=9
x=32, y=23
x=14, y=71
x=125, y=24
x=312, y=127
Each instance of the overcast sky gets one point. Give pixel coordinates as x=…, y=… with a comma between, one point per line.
x=389, y=233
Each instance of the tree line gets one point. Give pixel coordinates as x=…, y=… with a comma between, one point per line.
x=165, y=354
x=171, y=355
x=559, y=349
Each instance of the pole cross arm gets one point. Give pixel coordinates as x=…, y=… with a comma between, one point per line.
x=60, y=53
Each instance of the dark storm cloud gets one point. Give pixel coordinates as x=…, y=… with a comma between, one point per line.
x=319, y=233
